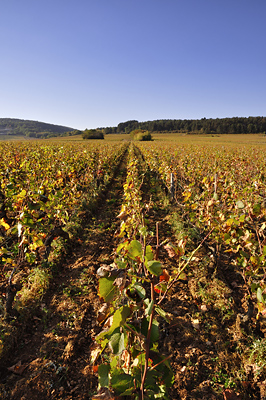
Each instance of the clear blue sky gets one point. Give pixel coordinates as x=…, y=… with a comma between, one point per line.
x=95, y=63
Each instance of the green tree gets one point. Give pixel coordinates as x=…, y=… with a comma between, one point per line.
x=92, y=134
x=141, y=135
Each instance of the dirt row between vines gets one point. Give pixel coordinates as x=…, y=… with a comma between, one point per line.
x=51, y=359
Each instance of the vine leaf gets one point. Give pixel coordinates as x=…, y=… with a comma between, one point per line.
x=162, y=313
x=120, y=317
x=140, y=290
x=154, y=329
x=260, y=296
x=107, y=289
x=135, y=249
x=4, y=224
x=154, y=267
x=103, y=372
x=149, y=305
x=149, y=254
x=122, y=383
x=117, y=342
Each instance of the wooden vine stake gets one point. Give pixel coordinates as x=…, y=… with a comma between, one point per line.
x=172, y=187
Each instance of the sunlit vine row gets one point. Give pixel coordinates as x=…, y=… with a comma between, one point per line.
x=132, y=364
x=41, y=187
x=221, y=189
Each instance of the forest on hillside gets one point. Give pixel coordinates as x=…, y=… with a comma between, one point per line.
x=12, y=126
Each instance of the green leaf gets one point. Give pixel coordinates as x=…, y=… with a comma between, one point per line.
x=135, y=249
x=143, y=231
x=121, y=264
x=244, y=254
x=122, y=382
x=103, y=375
x=154, y=267
x=117, y=342
x=27, y=221
x=154, y=329
x=150, y=381
x=227, y=236
x=162, y=394
x=161, y=312
x=149, y=254
x=107, y=289
x=149, y=308
x=30, y=257
x=182, y=276
x=39, y=242
x=242, y=218
x=165, y=369
x=257, y=209
x=120, y=317
x=264, y=251
x=168, y=378
x=140, y=290
x=260, y=295
x=121, y=246
x=254, y=287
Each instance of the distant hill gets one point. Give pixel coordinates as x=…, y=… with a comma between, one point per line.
x=12, y=126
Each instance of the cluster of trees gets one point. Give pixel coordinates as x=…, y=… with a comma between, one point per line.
x=93, y=134
x=204, y=125
x=141, y=135
x=12, y=126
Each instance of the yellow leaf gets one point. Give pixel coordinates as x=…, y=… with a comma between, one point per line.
x=4, y=224
x=23, y=193
x=7, y=260
x=210, y=203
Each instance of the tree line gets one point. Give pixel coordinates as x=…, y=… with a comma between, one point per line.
x=204, y=125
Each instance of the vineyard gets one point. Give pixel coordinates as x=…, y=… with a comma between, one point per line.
x=132, y=270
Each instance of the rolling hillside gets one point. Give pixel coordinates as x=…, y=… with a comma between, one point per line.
x=11, y=126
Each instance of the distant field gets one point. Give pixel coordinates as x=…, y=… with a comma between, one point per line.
x=247, y=139
x=252, y=139
x=9, y=137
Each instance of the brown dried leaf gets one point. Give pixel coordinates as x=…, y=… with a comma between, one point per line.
x=96, y=350
x=123, y=215
x=108, y=322
x=230, y=394
x=126, y=358
x=103, y=271
x=170, y=250
x=103, y=394
x=103, y=312
x=195, y=323
x=18, y=368
x=107, y=270
x=120, y=281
